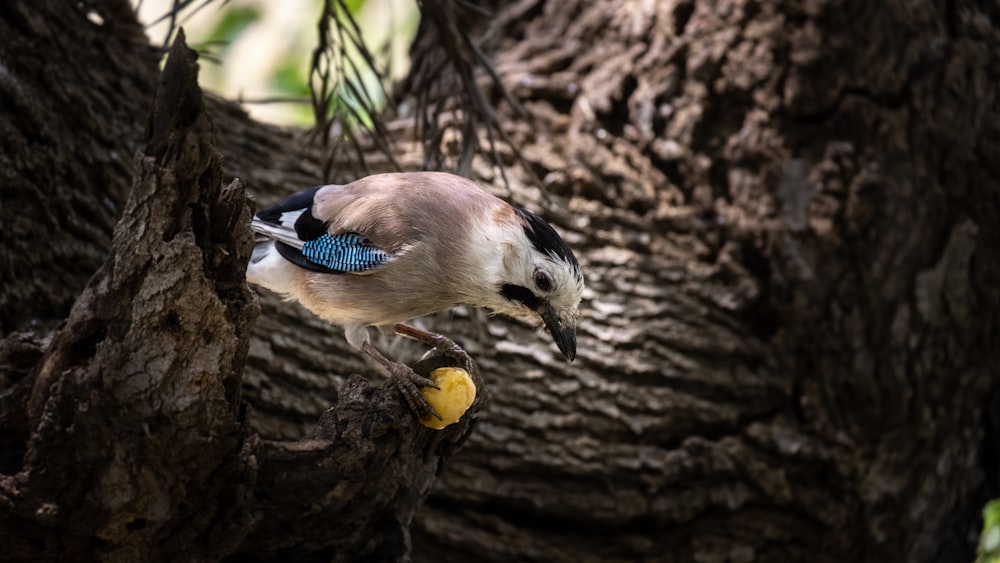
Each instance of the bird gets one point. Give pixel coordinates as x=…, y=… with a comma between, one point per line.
x=388, y=248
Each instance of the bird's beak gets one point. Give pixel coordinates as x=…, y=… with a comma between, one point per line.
x=565, y=337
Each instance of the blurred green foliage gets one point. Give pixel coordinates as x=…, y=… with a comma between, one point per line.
x=989, y=541
x=260, y=52
x=232, y=22
x=291, y=80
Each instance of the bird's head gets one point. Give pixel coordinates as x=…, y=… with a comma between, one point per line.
x=540, y=280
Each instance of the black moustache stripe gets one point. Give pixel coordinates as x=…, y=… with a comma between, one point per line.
x=522, y=295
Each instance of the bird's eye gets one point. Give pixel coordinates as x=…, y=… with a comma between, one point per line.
x=542, y=281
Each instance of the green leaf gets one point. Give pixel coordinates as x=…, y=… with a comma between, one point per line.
x=989, y=541
x=233, y=21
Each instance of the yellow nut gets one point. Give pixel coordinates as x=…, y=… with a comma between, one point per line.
x=454, y=398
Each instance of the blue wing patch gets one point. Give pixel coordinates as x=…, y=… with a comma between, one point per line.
x=346, y=252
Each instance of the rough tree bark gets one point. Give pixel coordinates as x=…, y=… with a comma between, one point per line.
x=135, y=446
x=789, y=218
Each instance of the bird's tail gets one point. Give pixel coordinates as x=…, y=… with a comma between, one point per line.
x=269, y=231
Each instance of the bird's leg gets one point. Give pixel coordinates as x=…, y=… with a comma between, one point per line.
x=407, y=381
x=432, y=339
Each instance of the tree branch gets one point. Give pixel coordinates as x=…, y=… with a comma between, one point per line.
x=134, y=434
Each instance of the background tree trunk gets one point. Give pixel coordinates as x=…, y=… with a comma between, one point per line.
x=789, y=220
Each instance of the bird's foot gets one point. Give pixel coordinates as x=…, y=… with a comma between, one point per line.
x=437, y=342
x=409, y=384
x=407, y=381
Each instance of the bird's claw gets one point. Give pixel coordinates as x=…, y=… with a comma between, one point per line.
x=409, y=384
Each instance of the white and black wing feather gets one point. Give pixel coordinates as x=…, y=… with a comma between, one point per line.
x=306, y=241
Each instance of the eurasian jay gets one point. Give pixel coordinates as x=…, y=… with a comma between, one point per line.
x=388, y=248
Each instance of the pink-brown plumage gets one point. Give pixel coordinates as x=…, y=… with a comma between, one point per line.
x=447, y=242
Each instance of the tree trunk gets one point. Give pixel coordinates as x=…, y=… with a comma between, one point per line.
x=787, y=214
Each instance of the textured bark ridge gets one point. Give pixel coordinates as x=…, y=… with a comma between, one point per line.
x=350, y=489
x=59, y=72
x=789, y=222
x=131, y=425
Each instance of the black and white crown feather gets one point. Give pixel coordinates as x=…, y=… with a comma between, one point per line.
x=545, y=239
